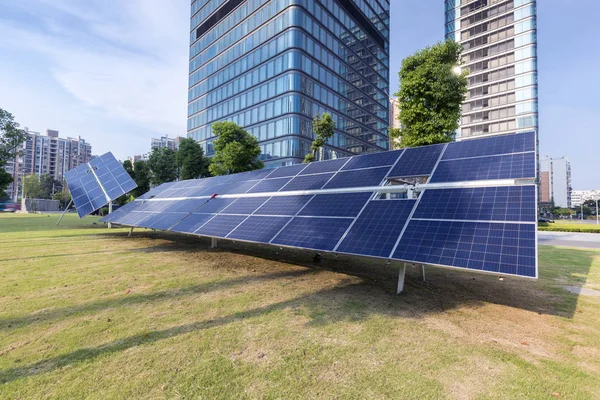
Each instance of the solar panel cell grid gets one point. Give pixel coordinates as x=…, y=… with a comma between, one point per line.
x=220, y=226
x=504, y=144
x=307, y=182
x=313, y=233
x=269, y=185
x=324, y=166
x=283, y=205
x=259, y=229
x=511, y=166
x=244, y=205
x=191, y=223
x=377, y=229
x=492, y=247
x=287, y=171
x=514, y=203
x=387, y=158
x=417, y=161
x=336, y=205
x=356, y=178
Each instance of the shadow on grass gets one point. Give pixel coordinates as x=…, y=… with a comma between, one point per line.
x=66, y=312
x=443, y=290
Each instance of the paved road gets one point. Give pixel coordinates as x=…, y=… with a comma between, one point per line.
x=570, y=239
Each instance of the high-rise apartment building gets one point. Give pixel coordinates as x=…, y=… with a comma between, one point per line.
x=499, y=51
x=46, y=154
x=394, y=113
x=166, y=142
x=555, y=181
x=271, y=66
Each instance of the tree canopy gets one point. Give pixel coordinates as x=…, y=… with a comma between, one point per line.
x=163, y=167
x=323, y=128
x=190, y=160
x=431, y=94
x=235, y=150
x=141, y=176
x=10, y=139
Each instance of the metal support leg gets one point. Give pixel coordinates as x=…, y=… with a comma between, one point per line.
x=130, y=231
x=401, y=279
x=109, y=212
x=423, y=269
x=213, y=243
x=63, y=213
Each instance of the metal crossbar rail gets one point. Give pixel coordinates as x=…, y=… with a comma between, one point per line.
x=380, y=189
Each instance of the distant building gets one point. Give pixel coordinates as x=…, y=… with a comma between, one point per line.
x=500, y=52
x=555, y=181
x=141, y=157
x=394, y=113
x=578, y=197
x=166, y=142
x=46, y=154
x=271, y=66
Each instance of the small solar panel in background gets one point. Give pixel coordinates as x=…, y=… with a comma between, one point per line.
x=95, y=184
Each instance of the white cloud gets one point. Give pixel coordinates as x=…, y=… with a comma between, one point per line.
x=119, y=60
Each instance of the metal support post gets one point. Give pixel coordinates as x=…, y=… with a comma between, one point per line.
x=130, y=231
x=401, y=278
x=423, y=269
x=64, y=211
x=213, y=243
x=109, y=212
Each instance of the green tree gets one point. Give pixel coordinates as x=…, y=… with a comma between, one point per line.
x=235, y=150
x=323, y=128
x=431, y=94
x=10, y=139
x=63, y=197
x=395, y=135
x=32, y=187
x=128, y=166
x=163, y=167
x=190, y=160
x=141, y=176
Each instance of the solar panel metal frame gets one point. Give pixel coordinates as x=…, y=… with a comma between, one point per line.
x=304, y=196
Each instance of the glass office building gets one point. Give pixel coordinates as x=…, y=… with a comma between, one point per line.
x=271, y=66
x=499, y=50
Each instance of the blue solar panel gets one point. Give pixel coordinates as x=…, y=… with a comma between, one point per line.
x=307, y=182
x=287, y=171
x=215, y=205
x=269, y=185
x=161, y=220
x=237, y=187
x=357, y=178
x=313, y=233
x=418, y=161
x=512, y=166
x=505, y=144
x=492, y=247
x=95, y=184
x=514, y=203
x=324, y=166
x=336, y=205
x=378, y=228
x=259, y=229
x=284, y=205
x=245, y=205
x=373, y=160
x=191, y=223
x=220, y=226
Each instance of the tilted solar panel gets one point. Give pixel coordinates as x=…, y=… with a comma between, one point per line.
x=95, y=184
x=477, y=211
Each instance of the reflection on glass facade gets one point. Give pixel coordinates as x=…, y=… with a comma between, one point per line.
x=271, y=66
x=499, y=50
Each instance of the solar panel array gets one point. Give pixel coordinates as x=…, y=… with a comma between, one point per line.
x=332, y=206
x=95, y=184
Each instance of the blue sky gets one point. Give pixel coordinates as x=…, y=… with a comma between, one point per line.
x=115, y=72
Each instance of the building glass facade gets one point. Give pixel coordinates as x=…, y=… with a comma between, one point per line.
x=271, y=66
x=499, y=49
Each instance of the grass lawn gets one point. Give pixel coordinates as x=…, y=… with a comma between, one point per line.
x=569, y=226
x=88, y=312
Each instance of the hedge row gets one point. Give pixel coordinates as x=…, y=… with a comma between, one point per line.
x=558, y=228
